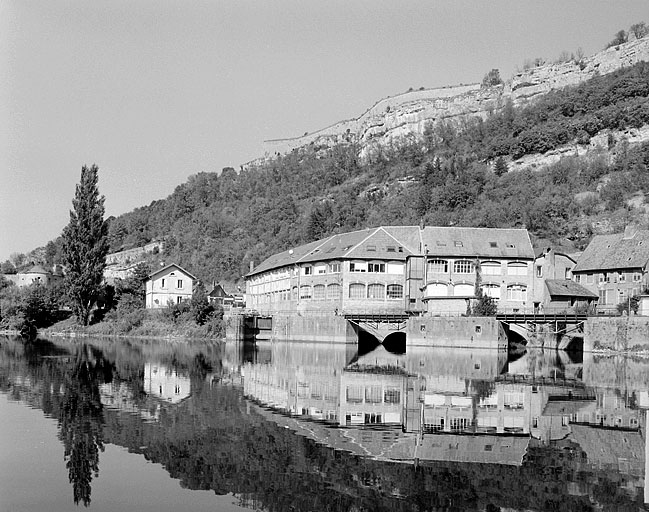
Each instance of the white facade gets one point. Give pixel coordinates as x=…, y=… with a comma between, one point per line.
x=170, y=285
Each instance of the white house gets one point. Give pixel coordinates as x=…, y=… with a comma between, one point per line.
x=171, y=284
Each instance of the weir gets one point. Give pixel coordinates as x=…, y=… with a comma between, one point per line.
x=550, y=331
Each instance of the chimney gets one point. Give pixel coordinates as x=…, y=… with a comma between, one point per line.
x=252, y=265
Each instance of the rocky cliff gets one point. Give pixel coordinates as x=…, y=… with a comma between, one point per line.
x=397, y=118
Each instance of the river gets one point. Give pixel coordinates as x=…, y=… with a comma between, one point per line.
x=160, y=426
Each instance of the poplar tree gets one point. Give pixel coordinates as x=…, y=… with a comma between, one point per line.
x=85, y=245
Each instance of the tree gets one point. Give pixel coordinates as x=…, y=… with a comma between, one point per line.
x=85, y=245
x=621, y=37
x=639, y=30
x=500, y=167
x=492, y=78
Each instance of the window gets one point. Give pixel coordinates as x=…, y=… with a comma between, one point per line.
x=392, y=396
x=437, y=267
x=164, y=283
x=491, y=290
x=305, y=292
x=376, y=291
x=371, y=248
x=373, y=394
x=307, y=271
x=637, y=276
x=539, y=271
x=578, y=278
x=437, y=290
x=517, y=268
x=491, y=268
x=517, y=292
x=493, y=244
x=354, y=394
x=179, y=299
x=458, y=243
x=179, y=284
x=464, y=290
x=376, y=267
x=294, y=294
x=321, y=269
x=590, y=278
x=566, y=273
x=462, y=267
x=334, y=268
x=395, y=291
x=319, y=292
x=334, y=291
x=391, y=248
x=357, y=267
x=621, y=277
x=356, y=291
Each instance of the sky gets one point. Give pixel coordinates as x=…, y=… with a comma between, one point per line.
x=155, y=91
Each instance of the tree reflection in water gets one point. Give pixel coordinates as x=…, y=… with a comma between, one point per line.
x=81, y=419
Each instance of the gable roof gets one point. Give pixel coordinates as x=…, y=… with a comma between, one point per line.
x=385, y=242
x=609, y=252
x=473, y=242
x=567, y=288
x=165, y=269
x=36, y=269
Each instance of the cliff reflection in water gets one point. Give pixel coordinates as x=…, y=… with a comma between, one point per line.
x=429, y=429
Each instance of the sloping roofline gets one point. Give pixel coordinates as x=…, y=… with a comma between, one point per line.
x=164, y=269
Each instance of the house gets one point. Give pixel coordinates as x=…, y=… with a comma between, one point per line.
x=554, y=290
x=37, y=274
x=218, y=296
x=614, y=267
x=396, y=269
x=169, y=285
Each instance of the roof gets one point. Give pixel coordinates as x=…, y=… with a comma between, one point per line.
x=399, y=242
x=165, y=269
x=473, y=242
x=567, y=288
x=609, y=252
x=385, y=242
x=36, y=269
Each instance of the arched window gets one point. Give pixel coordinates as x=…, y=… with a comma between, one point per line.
x=305, y=292
x=395, y=291
x=319, y=292
x=491, y=290
x=491, y=268
x=437, y=267
x=294, y=293
x=356, y=291
x=517, y=268
x=462, y=267
x=334, y=292
x=517, y=292
x=376, y=291
x=463, y=290
x=437, y=290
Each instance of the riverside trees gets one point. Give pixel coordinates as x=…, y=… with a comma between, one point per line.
x=85, y=245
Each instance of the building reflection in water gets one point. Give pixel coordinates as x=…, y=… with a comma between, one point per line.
x=455, y=405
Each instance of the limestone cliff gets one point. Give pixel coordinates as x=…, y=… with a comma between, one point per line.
x=406, y=115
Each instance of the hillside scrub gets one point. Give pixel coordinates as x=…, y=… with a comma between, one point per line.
x=217, y=224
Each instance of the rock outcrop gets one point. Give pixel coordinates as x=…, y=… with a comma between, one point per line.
x=405, y=116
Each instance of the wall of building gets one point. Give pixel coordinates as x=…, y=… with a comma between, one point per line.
x=466, y=332
x=164, y=289
x=613, y=287
x=622, y=334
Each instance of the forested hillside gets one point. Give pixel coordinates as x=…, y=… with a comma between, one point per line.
x=215, y=224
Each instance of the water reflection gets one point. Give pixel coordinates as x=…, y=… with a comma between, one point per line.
x=306, y=426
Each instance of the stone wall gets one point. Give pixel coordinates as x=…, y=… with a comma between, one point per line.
x=621, y=334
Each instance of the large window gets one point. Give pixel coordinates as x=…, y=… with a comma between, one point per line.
x=491, y=268
x=517, y=292
x=395, y=291
x=334, y=291
x=376, y=267
x=491, y=290
x=305, y=292
x=355, y=266
x=307, y=271
x=334, y=268
x=464, y=290
x=462, y=267
x=438, y=290
x=376, y=291
x=517, y=268
x=356, y=291
x=319, y=292
x=437, y=267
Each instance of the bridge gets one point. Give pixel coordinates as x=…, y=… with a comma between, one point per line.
x=379, y=325
x=562, y=327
